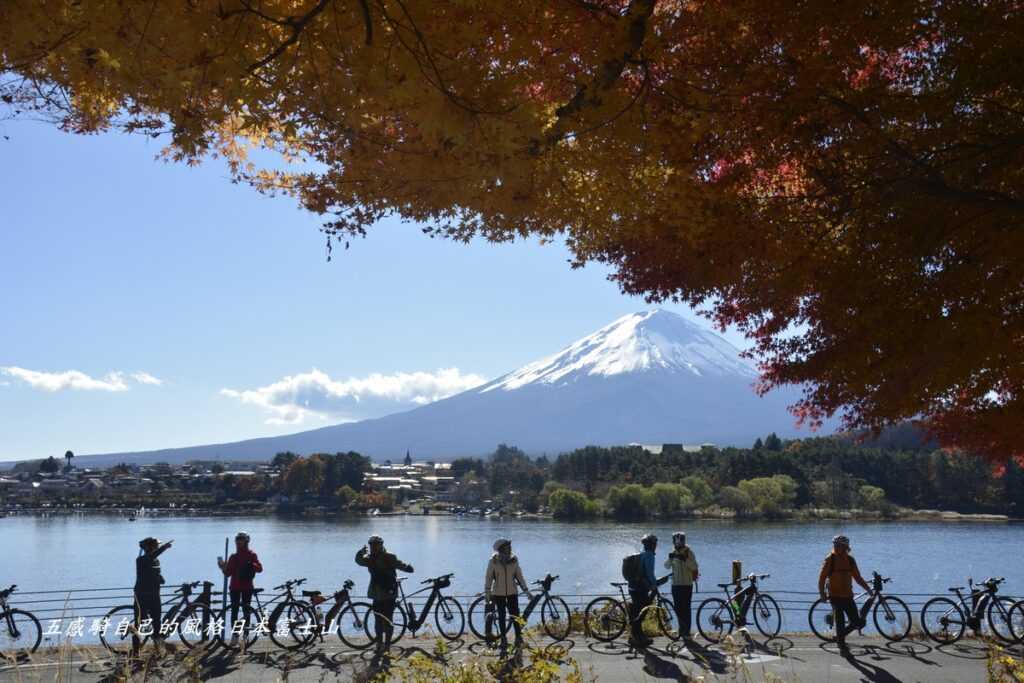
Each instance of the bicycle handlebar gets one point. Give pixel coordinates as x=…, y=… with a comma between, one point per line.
x=289, y=584
x=437, y=578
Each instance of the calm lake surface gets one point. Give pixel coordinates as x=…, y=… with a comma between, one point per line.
x=47, y=553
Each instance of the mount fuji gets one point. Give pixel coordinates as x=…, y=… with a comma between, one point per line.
x=652, y=377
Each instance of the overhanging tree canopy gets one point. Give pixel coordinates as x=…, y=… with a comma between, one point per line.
x=851, y=170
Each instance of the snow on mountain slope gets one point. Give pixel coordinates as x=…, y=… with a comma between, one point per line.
x=653, y=340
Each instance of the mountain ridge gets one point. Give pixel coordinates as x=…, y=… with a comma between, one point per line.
x=649, y=377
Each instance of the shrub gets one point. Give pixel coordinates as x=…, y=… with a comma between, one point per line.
x=568, y=504
x=736, y=499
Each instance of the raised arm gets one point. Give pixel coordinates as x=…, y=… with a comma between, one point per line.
x=361, y=557
x=256, y=565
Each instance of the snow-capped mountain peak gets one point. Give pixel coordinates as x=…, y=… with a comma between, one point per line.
x=639, y=342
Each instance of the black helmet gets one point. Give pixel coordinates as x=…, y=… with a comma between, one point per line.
x=649, y=539
x=148, y=541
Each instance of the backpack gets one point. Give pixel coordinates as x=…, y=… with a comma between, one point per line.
x=633, y=569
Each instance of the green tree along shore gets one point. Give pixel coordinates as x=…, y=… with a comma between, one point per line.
x=814, y=477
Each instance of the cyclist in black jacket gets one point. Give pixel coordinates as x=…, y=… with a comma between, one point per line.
x=148, y=580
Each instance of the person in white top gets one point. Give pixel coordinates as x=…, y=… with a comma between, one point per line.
x=502, y=581
x=685, y=571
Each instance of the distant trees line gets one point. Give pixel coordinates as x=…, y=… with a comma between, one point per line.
x=767, y=479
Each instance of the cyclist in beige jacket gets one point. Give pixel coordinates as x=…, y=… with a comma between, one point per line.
x=685, y=571
x=502, y=581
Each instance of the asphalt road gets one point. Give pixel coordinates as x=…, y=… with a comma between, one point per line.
x=794, y=658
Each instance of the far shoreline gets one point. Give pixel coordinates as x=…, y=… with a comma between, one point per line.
x=794, y=517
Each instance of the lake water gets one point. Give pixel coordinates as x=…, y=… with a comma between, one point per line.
x=76, y=552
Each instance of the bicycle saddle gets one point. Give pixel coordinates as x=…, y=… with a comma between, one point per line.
x=724, y=585
x=956, y=588
x=619, y=584
x=310, y=594
x=257, y=590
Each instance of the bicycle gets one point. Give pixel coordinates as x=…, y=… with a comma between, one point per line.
x=1017, y=621
x=554, y=614
x=351, y=629
x=944, y=621
x=448, y=614
x=20, y=631
x=293, y=633
x=606, y=618
x=190, y=619
x=717, y=618
x=890, y=614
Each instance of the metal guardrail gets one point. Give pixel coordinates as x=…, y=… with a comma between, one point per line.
x=94, y=603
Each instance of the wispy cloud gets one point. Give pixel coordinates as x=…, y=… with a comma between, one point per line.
x=146, y=378
x=315, y=393
x=75, y=379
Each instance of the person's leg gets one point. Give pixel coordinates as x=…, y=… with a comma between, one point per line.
x=844, y=623
x=639, y=600
x=682, y=597
x=852, y=616
x=384, y=614
x=501, y=605
x=235, y=596
x=513, y=610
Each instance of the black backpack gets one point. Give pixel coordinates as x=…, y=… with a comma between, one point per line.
x=633, y=569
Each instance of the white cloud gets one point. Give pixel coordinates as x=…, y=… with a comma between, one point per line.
x=314, y=393
x=75, y=379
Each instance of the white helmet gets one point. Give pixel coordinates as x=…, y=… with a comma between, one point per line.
x=242, y=535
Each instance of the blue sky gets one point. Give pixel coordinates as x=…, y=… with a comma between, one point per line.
x=118, y=271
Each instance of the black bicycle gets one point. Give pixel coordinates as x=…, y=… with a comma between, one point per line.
x=891, y=615
x=716, y=618
x=346, y=618
x=20, y=632
x=554, y=614
x=289, y=624
x=448, y=614
x=606, y=618
x=944, y=620
x=190, y=619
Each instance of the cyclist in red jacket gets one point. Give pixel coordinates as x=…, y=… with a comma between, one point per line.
x=242, y=567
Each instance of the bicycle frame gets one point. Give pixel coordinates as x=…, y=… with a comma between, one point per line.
x=980, y=598
x=741, y=600
x=416, y=621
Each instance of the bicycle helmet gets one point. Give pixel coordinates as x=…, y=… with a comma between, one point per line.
x=148, y=541
x=679, y=538
x=241, y=535
x=374, y=539
x=501, y=542
x=841, y=540
x=649, y=539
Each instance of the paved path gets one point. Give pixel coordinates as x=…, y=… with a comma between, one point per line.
x=795, y=658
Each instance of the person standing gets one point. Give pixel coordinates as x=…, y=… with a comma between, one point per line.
x=685, y=571
x=641, y=588
x=148, y=580
x=502, y=581
x=383, y=589
x=242, y=568
x=838, y=572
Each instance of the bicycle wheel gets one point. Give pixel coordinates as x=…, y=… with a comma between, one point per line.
x=767, y=615
x=117, y=636
x=667, y=619
x=449, y=617
x=822, y=619
x=892, y=618
x=20, y=634
x=1017, y=621
x=942, y=620
x=194, y=629
x=999, y=619
x=243, y=632
x=354, y=625
x=605, y=619
x=555, y=617
x=292, y=624
x=715, y=619
x=483, y=620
